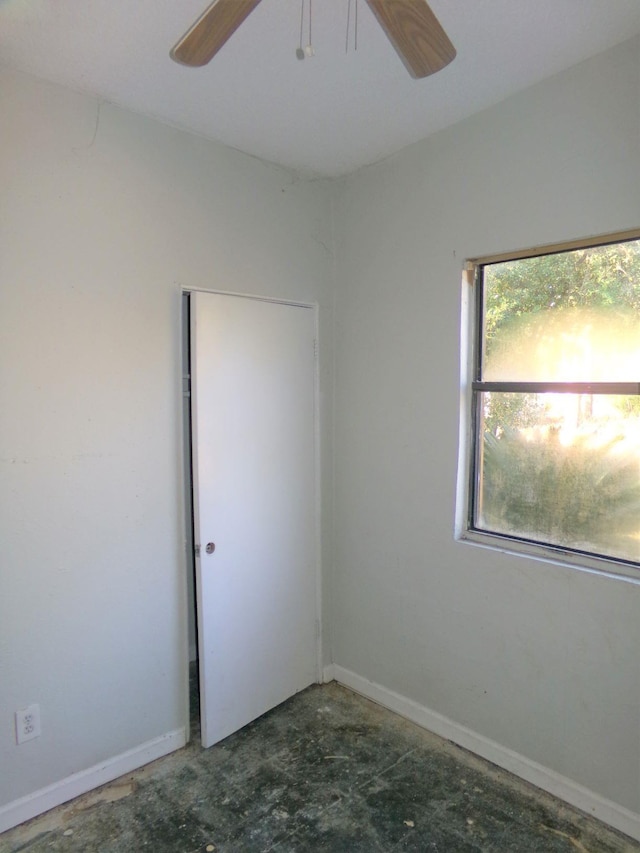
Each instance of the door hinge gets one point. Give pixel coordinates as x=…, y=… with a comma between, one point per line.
x=186, y=385
x=196, y=550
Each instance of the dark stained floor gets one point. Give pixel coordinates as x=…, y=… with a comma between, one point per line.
x=325, y=771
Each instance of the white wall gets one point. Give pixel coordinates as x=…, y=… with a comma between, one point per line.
x=104, y=216
x=541, y=659
x=98, y=233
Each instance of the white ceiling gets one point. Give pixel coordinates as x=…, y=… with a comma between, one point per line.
x=326, y=115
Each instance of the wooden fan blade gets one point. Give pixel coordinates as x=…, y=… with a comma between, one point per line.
x=212, y=29
x=416, y=34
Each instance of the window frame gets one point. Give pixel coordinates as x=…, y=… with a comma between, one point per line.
x=470, y=417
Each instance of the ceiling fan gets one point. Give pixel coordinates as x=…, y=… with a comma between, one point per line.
x=410, y=25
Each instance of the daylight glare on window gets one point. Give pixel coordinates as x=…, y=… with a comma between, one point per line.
x=555, y=464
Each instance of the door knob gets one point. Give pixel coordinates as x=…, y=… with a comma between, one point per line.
x=211, y=547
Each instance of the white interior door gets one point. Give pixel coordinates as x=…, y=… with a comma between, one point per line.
x=253, y=420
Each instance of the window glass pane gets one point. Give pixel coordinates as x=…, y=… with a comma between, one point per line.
x=562, y=469
x=568, y=317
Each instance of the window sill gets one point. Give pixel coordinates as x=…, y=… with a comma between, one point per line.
x=581, y=562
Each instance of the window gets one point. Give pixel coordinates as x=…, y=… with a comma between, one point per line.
x=555, y=402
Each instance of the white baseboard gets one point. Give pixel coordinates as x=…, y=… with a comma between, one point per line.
x=328, y=673
x=79, y=783
x=565, y=789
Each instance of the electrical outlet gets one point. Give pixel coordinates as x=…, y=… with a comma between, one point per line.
x=28, y=723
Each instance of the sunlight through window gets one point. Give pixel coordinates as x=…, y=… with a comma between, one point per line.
x=556, y=414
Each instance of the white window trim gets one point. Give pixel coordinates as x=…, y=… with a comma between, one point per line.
x=589, y=563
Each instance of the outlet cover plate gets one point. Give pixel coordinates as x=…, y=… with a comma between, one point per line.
x=28, y=723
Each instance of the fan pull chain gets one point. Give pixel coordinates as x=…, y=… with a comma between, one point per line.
x=346, y=41
x=355, y=30
x=302, y=52
x=355, y=34
x=309, y=51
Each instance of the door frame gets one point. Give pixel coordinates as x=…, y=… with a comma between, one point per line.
x=187, y=474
